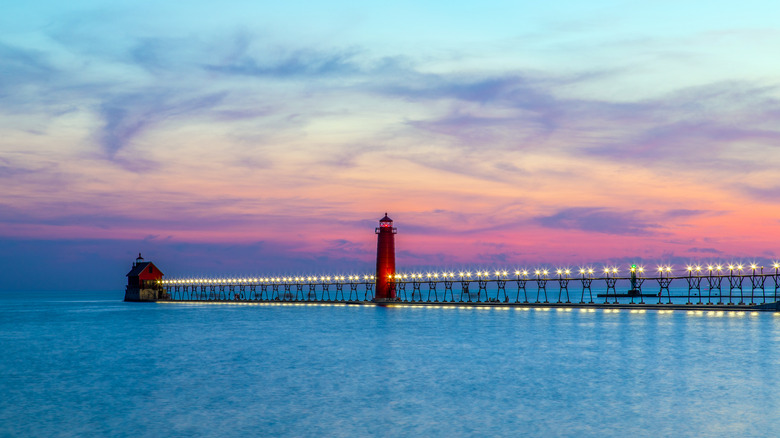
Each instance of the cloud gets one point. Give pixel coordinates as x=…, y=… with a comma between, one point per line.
x=599, y=220
x=127, y=116
x=705, y=250
x=771, y=194
x=298, y=63
x=19, y=65
x=684, y=212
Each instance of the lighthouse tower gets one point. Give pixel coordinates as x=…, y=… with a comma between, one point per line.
x=385, y=260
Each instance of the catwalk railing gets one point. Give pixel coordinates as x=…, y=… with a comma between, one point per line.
x=731, y=288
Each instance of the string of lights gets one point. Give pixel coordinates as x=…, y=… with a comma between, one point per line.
x=666, y=271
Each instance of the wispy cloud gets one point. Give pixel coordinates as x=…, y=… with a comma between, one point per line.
x=600, y=220
x=292, y=65
x=127, y=116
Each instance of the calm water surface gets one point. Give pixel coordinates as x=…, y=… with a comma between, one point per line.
x=90, y=365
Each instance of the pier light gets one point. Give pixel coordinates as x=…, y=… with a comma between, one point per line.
x=567, y=271
x=614, y=270
x=468, y=274
x=327, y=278
x=739, y=267
x=544, y=272
x=668, y=269
x=559, y=271
x=436, y=275
x=582, y=271
x=660, y=269
x=719, y=268
x=371, y=277
x=689, y=268
x=504, y=273
x=641, y=269
x=461, y=274
x=606, y=270
x=537, y=272
x=776, y=265
x=698, y=268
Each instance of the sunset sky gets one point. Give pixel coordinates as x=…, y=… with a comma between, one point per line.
x=270, y=137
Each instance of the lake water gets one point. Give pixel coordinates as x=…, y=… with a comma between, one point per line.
x=90, y=365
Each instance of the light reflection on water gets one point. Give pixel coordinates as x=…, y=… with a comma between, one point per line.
x=92, y=365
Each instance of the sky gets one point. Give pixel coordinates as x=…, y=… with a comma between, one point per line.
x=270, y=137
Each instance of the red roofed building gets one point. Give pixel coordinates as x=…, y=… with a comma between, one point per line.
x=143, y=282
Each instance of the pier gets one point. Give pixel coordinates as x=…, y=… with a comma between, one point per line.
x=719, y=287
x=755, y=291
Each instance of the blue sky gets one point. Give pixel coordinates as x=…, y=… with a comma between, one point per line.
x=495, y=133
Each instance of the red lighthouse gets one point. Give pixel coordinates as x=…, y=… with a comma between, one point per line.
x=385, y=260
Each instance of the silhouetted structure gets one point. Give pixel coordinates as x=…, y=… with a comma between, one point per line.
x=385, y=260
x=144, y=282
